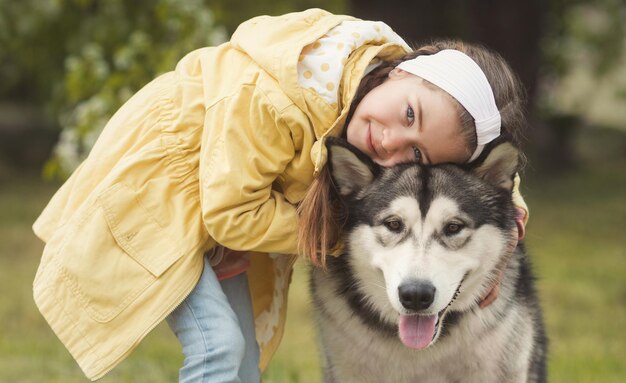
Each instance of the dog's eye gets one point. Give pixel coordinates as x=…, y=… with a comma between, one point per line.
x=453, y=228
x=394, y=224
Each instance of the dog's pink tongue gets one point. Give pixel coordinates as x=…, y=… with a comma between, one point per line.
x=417, y=331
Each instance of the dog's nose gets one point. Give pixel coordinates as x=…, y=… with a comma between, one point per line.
x=416, y=295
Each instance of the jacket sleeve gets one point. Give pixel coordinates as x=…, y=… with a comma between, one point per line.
x=246, y=146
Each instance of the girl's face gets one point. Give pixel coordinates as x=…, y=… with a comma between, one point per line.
x=403, y=114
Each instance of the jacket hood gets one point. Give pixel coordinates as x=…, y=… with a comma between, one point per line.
x=275, y=43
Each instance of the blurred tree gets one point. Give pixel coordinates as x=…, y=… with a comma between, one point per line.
x=123, y=44
x=27, y=35
x=84, y=58
x=583, y=78
x=231, y=13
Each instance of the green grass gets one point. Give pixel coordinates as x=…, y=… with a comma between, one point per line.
x=575, y=238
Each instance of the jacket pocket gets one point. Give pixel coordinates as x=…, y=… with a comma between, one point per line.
x=113, y=251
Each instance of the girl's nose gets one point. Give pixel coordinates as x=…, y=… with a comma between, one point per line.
x=398, y=145
x=396, y=139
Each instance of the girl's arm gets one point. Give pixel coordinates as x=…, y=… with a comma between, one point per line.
x=246, y=147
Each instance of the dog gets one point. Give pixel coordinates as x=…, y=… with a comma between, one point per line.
x=422, y=246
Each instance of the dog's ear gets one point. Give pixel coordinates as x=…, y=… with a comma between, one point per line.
x=499, y=166
x=350, y=168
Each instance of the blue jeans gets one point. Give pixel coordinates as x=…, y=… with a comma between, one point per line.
x=215, y=326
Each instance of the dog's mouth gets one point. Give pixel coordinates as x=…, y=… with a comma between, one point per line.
x=419, y=331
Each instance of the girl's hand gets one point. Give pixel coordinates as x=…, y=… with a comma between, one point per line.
x=230, y=262
x=520, y=232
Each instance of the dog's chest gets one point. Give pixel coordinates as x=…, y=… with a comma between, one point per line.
x=384, y=363
x=358, y=353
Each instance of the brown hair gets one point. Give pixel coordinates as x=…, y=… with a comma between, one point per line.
x=321, y=217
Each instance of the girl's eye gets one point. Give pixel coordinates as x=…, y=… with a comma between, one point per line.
x=410, y=115
x=394, y=224
x=417, y=154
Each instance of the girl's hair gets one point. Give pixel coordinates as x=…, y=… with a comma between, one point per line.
x=321, y=216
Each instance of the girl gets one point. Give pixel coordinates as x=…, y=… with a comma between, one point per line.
x=217, y=155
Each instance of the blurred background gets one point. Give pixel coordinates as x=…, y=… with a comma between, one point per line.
x=67, y=65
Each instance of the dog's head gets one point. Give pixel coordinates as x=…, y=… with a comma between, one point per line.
x=421, y=240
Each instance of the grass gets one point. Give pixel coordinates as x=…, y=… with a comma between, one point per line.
x=577, y=243
x=575, y=238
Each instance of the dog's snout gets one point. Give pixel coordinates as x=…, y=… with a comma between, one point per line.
x=416, y=295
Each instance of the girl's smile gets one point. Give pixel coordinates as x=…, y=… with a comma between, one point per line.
x=370, y=143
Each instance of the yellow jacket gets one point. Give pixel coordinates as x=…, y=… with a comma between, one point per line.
x=217, y=151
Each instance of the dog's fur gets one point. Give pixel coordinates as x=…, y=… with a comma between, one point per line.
x=419, y=241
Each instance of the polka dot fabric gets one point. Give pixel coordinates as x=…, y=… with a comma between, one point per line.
x=321, y=63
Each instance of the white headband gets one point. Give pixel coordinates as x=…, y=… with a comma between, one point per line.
x=458, y=75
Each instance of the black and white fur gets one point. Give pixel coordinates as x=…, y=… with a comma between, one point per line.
x=427, y=240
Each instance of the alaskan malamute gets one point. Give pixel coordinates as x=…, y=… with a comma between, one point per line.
x=423, y=244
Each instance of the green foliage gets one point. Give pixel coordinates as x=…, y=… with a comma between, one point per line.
x=121, y=45
x=584, y=53
x=232, y=12
x=86, y=57
x=576, y=27
x=31, y=48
